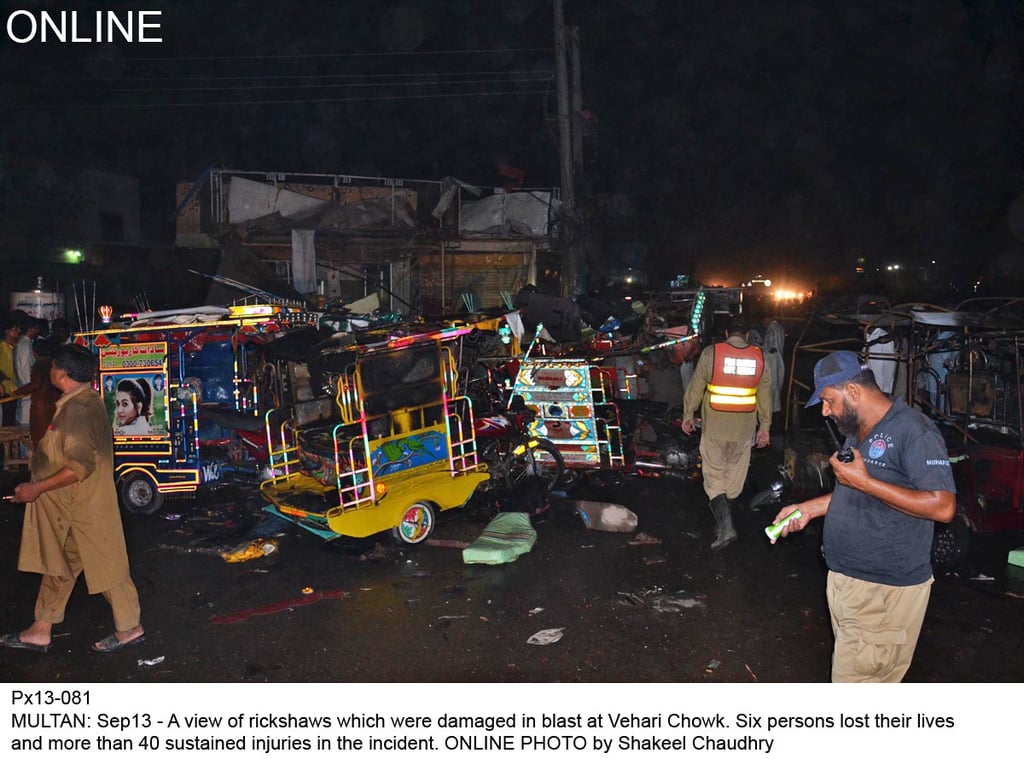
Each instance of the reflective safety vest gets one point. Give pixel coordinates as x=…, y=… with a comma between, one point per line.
x=734, y=379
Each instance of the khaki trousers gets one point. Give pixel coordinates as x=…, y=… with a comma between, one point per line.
x=55, y=590
x=724, y=465
x=876, y=628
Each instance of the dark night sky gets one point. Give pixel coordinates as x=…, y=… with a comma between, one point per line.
x=789, y=137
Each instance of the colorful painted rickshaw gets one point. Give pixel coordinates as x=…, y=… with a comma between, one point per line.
x=397, y=447
x=170, y=379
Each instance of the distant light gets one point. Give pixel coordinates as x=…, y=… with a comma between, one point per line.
x=783, y=294
x=72, y=256
x=767, y=283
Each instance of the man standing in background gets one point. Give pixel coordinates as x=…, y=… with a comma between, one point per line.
x=8, y=383
x=23, y=359
x=773, y=344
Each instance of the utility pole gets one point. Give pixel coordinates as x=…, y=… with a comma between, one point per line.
x=571, y=283
x=576, y=102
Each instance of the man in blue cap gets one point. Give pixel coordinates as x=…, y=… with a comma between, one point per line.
x=879, y=520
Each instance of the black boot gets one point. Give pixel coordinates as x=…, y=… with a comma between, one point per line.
x=725, y=533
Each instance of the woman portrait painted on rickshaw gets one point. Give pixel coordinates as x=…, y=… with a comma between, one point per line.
x=133, y=400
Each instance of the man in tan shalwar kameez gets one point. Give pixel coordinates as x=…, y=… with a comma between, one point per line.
x=72, y=523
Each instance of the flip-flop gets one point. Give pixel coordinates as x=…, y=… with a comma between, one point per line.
x=110, y=643
x=13, y=640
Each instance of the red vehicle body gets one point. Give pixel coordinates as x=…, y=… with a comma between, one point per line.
x=990, y=480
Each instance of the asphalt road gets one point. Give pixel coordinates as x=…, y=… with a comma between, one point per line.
x=661, y=609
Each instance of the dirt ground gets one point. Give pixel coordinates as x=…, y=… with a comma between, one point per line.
x=663, y=608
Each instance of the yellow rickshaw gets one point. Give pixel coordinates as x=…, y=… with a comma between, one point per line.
x=397, y=448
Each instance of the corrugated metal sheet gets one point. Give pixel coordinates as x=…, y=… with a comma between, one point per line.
x=484, y=275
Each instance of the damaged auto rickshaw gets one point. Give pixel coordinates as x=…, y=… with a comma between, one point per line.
x=375, y=437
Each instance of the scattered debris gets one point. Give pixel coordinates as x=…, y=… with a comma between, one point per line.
x=151, y=662
x=643, y=539
x=631, y=598
x=610, y=517
x=752, y=675
x=536, y=610
x=983, y=578
x=675, y=604
x=255, y=549
x=712, y=665
x=546, y=637
x=661, y=602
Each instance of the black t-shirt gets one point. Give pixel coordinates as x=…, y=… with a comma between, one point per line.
x=866, y=539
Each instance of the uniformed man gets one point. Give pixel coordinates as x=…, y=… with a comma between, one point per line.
x=732, y=386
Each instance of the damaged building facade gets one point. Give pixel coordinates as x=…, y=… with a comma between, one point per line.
x=416, y=246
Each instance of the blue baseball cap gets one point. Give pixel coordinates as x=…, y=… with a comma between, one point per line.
x=835, y=369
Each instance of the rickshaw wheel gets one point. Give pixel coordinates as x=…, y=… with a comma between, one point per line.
x=541, y=458
x=417, y=524
x=139, y=494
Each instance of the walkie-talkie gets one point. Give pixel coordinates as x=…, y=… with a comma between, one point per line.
x=845, y=455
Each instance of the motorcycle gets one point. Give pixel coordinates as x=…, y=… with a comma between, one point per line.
x=503, y=443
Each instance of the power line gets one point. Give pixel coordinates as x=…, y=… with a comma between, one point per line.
x=309, y=56
x=213, y=103
x=321, y=86
x=330, y=86
x=296, y=56
x=315, y=76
